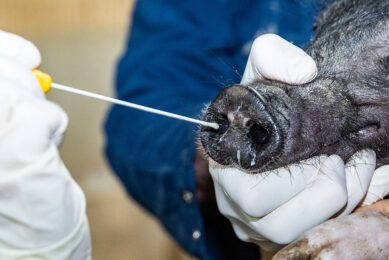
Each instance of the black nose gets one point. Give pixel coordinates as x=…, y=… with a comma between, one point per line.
x=248, y=136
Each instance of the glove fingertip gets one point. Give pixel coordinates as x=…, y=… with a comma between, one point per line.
x=334, y=162
x=366, y=156
x=383, y=170
x=310, y=71
x=19, y=49
x=371, y=198
x=333, y=168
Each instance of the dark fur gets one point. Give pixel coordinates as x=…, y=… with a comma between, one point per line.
x=345, y=109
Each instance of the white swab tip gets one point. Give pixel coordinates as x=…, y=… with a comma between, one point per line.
x=214, y=125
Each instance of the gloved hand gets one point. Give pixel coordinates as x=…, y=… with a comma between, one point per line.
x=275, y=207
x=379, y=187
x=274, y=58
x=42, y=209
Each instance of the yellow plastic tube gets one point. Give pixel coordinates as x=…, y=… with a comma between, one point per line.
x=44, y=80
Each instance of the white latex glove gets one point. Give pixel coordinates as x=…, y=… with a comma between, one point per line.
x=274, y=58
x=379, y=186
x=42, y=209
x=273, y=208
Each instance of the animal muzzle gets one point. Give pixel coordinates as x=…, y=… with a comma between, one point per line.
x=249, y=135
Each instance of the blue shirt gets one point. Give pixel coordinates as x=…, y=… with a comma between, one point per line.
x=179, y=55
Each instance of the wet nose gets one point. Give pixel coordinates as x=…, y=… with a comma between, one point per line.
x=250, y=128
x=247, y=134
x=239, y=119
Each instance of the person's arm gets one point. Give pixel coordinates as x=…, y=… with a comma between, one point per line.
x=42, y=209
x=176, y=61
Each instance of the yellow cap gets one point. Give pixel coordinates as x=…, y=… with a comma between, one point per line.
x=44, y=80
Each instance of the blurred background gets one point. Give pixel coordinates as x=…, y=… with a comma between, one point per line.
x=80, y=42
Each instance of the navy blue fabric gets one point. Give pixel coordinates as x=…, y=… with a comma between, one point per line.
x=179, y=55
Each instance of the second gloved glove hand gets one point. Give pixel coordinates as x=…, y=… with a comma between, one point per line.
x=273, y=208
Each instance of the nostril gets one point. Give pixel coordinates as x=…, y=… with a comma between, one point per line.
x=219, y=118
x=222, y=120
x=259, y=135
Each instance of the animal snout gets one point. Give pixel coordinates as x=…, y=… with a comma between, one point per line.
x=249, y=126
x=239, y=119
x=248, y=134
